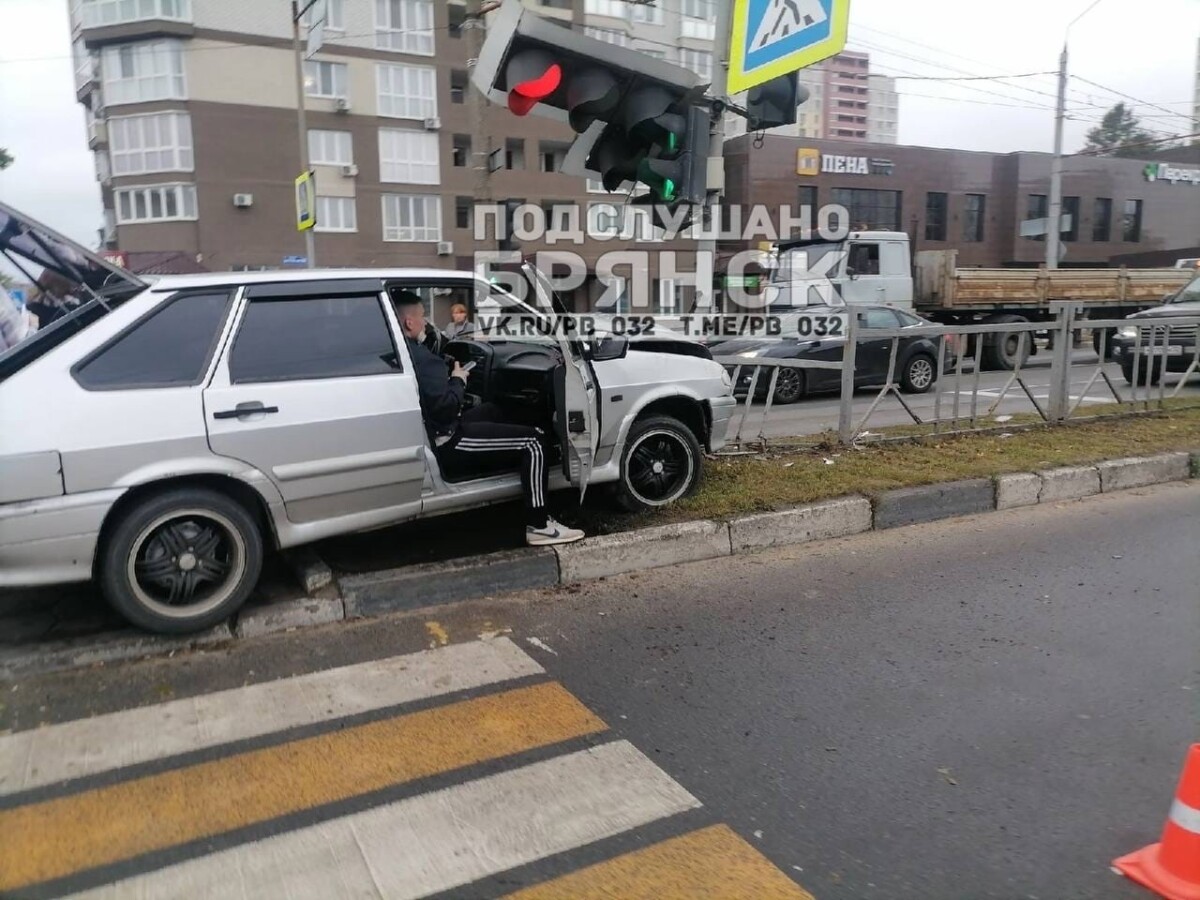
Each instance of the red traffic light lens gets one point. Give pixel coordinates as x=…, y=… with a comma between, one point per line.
x=528, y=94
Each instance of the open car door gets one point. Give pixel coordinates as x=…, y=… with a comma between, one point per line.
x=576, y=396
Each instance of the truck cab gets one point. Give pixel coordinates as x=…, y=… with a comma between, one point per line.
x=867, y=268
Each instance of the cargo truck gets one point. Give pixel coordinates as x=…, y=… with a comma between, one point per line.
x=878, y=267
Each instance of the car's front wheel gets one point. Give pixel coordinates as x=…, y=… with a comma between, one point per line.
x=181, y=561
x=789, y=385
x=1149, y=372
x=660, y=464
x=919, y=374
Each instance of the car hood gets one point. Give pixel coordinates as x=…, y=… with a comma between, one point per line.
x=1191, y=308
x=33, y=248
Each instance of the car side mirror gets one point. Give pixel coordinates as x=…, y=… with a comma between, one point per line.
x=851, y=272
x=611, y=347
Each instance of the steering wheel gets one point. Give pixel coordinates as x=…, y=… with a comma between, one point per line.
x=433, y=339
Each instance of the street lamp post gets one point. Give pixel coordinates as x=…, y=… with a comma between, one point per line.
x=301, y=126
x=1054, y=223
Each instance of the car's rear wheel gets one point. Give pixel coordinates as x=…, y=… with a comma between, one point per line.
x=181, y=560
x=660, y=464
x=919, y=374
x=789, y=385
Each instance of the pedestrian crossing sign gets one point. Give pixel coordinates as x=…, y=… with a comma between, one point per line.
x=774, y=37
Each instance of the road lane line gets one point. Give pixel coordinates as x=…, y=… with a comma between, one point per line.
x=436, y=841
x=711, y=862
x=43, y=756
x=66, y=835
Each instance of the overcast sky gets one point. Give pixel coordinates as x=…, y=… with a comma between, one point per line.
x=1147, y=51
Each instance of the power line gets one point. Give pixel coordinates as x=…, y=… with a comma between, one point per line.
x=1147, y=143
x=965, y=77
x=1170, y=112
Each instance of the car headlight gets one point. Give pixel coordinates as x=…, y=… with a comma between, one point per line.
x=1128, y=331
x=726, y=378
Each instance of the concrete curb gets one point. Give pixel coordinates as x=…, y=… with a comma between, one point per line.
x=312, y=572
x=645, y=548
x=431, y=584
x=1069, y=483
x=414, y=587
x=930, y=502
x=818, y=522
x=288, y=614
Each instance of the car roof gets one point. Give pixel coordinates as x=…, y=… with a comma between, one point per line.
x=276, y=276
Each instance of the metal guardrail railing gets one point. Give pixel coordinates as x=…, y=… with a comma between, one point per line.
x=955, y=410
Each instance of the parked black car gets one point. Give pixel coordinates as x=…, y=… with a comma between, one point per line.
x=916, y=357
x=1180, y=349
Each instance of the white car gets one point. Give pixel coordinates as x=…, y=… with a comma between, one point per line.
x=160, y=435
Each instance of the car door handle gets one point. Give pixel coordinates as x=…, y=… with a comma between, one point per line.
x=245, y=409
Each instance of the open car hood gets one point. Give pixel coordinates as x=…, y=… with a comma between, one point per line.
x=32, y=248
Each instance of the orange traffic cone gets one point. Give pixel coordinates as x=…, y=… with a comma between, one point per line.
x=1171, y=868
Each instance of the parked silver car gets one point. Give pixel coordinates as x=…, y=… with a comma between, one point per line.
x=159, y=436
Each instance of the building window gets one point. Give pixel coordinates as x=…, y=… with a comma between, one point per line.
x=139, y=73
x=1102, y=219
x=458, y=15
x=330, y=148
x=156, y=203
x=95, y=13
x=1131, y=222
x=973, y=218
x=409, y=157
x=870, y=209
x=325, y=79
x=460, y=151
x=699, y=19
x=1037, y=208
x=647, y=13
x=405, y=26
x=699, y=61
x=458, y=86
x=552, y=155
x=406, y=92
x=1070, y=207
x=412, y=217
x=514, y=153
x=668, y=297
x=85, y=63
x=336, y=214
x=614, y=9
x=936, y=204
x=462, y=212
x=334, y=19
x=157, y=143
x=608, y=35
x=655, y=54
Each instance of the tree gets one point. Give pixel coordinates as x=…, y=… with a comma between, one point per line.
x=1119, y=134
x=6, y=159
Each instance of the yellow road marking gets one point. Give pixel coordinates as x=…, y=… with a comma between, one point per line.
x=712, y=862
x=70, y=834
x=440, y=637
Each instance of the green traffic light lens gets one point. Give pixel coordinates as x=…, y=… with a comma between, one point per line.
x=672, y=142
x=668, y=189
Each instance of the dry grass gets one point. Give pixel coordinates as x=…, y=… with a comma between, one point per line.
x=775, y=480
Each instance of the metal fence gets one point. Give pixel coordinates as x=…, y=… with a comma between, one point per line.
x=966, y=397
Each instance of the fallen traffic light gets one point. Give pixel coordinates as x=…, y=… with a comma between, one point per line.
x=774, y=103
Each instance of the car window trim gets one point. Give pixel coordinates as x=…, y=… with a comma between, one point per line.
x=159, y=308
x=381, y=299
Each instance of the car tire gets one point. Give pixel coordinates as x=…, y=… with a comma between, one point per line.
x=789, y=385
x=653, y=447
x=181, y=560
x=1147, y=373
x=919, y=375
x=1108, y=345
x=1000, y=348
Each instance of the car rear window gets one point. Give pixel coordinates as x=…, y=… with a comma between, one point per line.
x=169, y=347
x=304, y=338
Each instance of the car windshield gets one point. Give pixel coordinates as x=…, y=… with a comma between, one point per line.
x=1190, y=292
x=808, y=262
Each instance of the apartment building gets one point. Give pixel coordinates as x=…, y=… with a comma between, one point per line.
x=191, y=109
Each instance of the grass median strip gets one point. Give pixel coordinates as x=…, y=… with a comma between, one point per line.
x=777, y=480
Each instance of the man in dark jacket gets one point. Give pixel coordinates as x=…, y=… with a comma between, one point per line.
x=476, y=440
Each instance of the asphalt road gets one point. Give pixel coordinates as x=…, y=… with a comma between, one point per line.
x=987, y=707
x=820, y=412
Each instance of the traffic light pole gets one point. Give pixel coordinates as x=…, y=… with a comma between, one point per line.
x=481, y=140
x=717, y=138
x=310, y=249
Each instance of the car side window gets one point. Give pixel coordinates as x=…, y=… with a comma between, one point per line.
x=881, y=318
x=171, y=347
x=312, y=337
x=906, y=320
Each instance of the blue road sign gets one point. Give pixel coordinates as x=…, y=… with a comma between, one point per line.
x=18, y=295
x=774, y=37
x=295, y=260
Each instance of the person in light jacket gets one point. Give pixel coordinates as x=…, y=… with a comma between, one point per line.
x=14, y=322
x=459, y=327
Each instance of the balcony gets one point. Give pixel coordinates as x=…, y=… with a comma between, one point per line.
x=97, y=133
x=105, y=21
x=698, y=29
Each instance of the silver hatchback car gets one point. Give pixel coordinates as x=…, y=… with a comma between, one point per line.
x=160, y=435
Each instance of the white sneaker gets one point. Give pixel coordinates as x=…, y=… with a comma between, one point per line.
x=553, y=533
